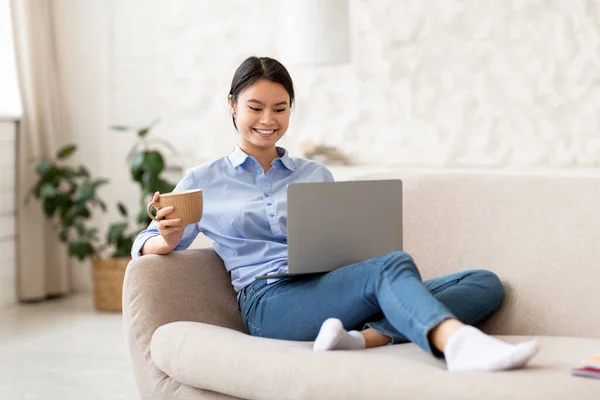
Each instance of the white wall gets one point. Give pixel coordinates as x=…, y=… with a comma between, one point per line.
x=442, y=83
x=432, y=83
x=83, y=30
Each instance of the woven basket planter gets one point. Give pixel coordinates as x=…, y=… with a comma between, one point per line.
x=108, y=276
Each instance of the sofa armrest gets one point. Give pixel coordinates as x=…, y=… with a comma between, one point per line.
x=189, y=285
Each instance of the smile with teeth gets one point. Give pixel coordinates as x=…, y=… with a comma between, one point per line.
x=266, y=132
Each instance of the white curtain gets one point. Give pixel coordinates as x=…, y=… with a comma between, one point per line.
x=43, y=267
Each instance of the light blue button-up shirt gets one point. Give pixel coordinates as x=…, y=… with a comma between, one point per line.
x=244, y=211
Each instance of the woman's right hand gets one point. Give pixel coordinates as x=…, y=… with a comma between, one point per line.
x=170, y=229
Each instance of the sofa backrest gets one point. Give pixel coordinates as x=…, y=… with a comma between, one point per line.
x=539, y=233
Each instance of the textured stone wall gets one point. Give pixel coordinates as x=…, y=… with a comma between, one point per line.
x=432, y=83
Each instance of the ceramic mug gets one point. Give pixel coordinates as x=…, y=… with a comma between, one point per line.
x=186, y=204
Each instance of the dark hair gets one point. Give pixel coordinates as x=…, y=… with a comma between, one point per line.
x=255, y=68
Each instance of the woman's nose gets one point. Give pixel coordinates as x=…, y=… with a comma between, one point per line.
x=266, y=118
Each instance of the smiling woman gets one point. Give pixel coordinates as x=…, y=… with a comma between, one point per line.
x=10, y=100
x=384, y=297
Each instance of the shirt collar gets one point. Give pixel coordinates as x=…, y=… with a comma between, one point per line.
x=238, y=157
x=286, y=160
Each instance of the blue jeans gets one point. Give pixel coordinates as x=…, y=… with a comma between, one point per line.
x=384, y=293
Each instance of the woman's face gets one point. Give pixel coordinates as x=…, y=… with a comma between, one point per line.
x=262, y=114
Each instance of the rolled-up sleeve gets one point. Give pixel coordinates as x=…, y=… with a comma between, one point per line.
x=327, y=175
x=191, y=231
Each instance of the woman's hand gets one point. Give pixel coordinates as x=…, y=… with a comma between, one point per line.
x=170, y=231
x=169, y=228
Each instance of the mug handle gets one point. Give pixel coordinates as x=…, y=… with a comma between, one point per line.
x=156, y=207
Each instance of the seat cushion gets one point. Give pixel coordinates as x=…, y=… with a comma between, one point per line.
x=231, y=362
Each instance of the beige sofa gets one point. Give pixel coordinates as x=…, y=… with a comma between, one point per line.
x=540, y=234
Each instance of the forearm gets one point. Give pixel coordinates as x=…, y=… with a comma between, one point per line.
x=156, y=245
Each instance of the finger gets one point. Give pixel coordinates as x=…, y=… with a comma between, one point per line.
x=168, y=223
x=163, y=212
x=156, y=196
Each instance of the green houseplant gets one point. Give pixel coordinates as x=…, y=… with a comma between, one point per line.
x=69, y=196
x=146, y=166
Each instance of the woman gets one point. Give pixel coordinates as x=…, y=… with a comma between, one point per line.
x=245, y=216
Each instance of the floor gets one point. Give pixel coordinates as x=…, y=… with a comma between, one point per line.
x=63, y=349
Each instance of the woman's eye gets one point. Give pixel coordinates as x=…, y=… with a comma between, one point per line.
x=279, y=110
x=255, y=109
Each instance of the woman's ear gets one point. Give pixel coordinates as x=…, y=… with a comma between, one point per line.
x=231, y=104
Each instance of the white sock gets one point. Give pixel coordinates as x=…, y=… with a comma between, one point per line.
x=333, y=336
x=469, y=349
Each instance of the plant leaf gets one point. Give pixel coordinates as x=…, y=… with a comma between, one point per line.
x=63, y=235
x=65, y=173
x=99, y=182
x=165, y=186
x=84, y=193
x=122, y=209
x=78, y=210
x=115, y=232
x=47, y=190
x=153, y=162
x=83, y=171
x=62, y=201
x=120, y=128
x=137, y=166
x=80, y=227
x=123, y=248
x=49, y=206
x=66, y=151
x=91, y=234
x=80, y=249
x=150, y=182
x=143, y=217
x=44, y=167
x=144, y=131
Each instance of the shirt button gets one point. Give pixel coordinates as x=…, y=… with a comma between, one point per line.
x=258, y=171
x=266, y=194
x=271, y=215
x=269, y=203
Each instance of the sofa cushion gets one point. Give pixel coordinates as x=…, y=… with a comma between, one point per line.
x=231, y=362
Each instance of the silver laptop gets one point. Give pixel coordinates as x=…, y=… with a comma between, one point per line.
x=333, y=224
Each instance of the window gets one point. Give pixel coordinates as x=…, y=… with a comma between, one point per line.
x=10, y=99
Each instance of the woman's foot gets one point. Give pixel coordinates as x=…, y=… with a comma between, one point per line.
x=333, y=336
x=469, y=349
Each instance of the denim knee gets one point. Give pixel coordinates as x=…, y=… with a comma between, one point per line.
x=400, y=260
x=494, y=287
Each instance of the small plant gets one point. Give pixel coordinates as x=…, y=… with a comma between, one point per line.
x=68, y=195
x=118, y=236
x=146, y=164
